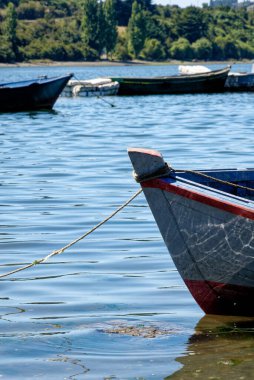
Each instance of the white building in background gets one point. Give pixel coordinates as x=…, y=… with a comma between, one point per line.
x=232, y=3
x=224, y=3
x=247, y=4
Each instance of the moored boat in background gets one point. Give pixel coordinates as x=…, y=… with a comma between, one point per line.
x=91, y=87
x=206, y=82
x=31, y=95
x=206, y=219
x=235, y=82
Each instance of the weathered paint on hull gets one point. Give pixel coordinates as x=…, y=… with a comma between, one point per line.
x=208, y=246
x=223, y=299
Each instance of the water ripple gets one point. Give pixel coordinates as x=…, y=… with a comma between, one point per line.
x=64, y=171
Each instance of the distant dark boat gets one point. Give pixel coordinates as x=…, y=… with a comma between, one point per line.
x=31, y=95
x=207, y=82
x=206, y=219
x=237, y=82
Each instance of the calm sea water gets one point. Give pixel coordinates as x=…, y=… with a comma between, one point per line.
x=64, y=171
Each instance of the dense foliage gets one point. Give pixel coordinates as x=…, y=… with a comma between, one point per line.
x=122, y=29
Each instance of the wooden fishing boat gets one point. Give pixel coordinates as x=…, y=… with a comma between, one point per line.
x=30, y=95
x=206, y=219
x=235, y=82
x=207, y=82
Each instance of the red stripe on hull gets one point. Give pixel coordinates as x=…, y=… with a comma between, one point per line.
x=202, y=198
x=224, y=299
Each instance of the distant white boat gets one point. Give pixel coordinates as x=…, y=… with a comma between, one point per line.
x=91, y=87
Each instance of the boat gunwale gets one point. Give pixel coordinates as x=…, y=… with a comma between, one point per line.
x=224, y=201
x=30, y=82
x=189, y=77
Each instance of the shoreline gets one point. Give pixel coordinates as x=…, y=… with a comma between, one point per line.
x=118, y=63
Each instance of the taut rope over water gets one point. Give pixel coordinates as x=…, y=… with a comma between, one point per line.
x=61, y=250
x=97, y=96
x=167, y=170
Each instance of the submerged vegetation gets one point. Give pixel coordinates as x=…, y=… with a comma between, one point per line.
x=66, y=30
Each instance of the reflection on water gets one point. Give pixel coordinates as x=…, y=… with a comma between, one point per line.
x=221, y=348
x=112, y=306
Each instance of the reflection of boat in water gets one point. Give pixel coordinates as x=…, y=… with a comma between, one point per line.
x=222, y=348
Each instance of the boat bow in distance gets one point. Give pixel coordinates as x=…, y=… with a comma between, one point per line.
x=206, y=219
x=31, y=95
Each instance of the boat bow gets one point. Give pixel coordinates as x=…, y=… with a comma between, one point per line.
x=207, y=223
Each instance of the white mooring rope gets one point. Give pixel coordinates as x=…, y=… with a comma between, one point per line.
x=61, y=250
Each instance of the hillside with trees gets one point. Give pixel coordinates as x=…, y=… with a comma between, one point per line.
x=78, y=30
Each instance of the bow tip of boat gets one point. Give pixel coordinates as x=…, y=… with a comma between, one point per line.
x=142, y=151
x=145, y=161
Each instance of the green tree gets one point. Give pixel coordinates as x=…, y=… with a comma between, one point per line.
x=225, y=48
x=203, y=49
x=101, y=27
x=6, y=53
x=72, y=29
x=124, y=9
x=123, y=12
x=136, y=30
x=30, y=10
x=121, y=49
x=245, y=50
x=4, y=3
x=192, y=24
x=10, y=28
x=90, y=30
x=153, y=50
x=110, y=31
x=181, y=49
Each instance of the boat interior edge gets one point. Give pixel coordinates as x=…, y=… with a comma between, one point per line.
x=238, y=177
